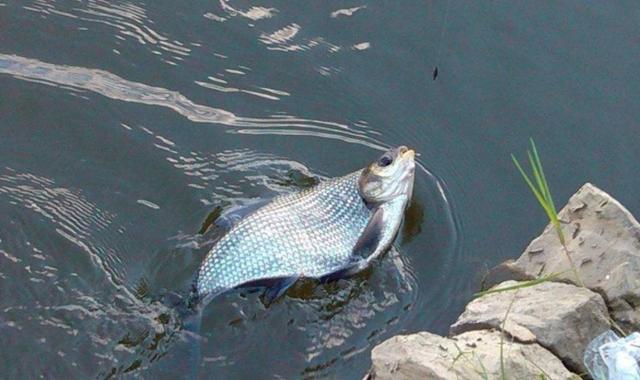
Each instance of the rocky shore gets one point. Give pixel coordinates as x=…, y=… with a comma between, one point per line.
x=539, y=331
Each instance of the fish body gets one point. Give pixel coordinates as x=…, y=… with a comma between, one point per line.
x=335, y=227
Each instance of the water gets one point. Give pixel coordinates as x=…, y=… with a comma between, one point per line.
x=127, y=125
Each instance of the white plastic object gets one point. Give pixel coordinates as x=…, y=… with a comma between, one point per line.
x=609, y=357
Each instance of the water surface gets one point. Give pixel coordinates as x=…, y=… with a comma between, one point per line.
x=128, y=126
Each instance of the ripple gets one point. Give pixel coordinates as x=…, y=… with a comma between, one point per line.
x=287, y=39
x=368, y=311
x=348, y=12
x=227, y=89
x=149, y=204
x=232, y=178
x=214, y=17
x=73, y=315
x=281, y=36
x=118, y=88
x=130, y=21
x=224, y=173
x=253, y=13
x=111, y=86
x=362, y=46
x=75, y=218
x=113, y=328
x=331, y=323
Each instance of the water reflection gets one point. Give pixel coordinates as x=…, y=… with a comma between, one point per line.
x=413, y=220
x=128, y=20
x=76, y=280
x=252, y=13
x=332, y=322
x=346, y=11
x=115, y=87
x=74, y=217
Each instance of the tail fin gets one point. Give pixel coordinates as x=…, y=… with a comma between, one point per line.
x=184, y=357
x=191, y=324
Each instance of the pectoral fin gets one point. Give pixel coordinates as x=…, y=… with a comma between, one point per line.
x=371, y=236
x=356, y=265
x=278, y=289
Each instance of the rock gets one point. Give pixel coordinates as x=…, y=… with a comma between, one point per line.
x=550, y=324
x=508, y=270
x=562, y=318
x=471, y=355
x=603, y=240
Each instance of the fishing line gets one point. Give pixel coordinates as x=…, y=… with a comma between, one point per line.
x=443, y=31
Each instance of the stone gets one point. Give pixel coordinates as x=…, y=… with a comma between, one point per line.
x=508, y=270
x=470, y=355
x=562, y=318
x=603, y=241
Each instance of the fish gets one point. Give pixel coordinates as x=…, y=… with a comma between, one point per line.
x=332, y=230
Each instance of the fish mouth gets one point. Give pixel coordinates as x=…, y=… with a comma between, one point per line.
x=406, y=156
x=407, y=153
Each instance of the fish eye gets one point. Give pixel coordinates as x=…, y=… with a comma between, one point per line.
x=385, y=160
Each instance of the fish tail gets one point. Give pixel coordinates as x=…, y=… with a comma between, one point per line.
x=191, y=328
x=184, y=357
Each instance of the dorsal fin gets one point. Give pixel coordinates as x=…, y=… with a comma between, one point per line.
x=371, y=236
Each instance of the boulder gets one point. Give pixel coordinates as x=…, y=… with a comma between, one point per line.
x=508, y=270
x=471, y=355
x=562, y=318
x=603, y=241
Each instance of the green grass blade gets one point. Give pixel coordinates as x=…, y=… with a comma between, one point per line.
x=503, y=374
x=543, y=188
x=544, y=179
x=528, y=181
x=525, y=284
x=536, y=175
x=534, y=190
x=543, y=195
x=542, y=185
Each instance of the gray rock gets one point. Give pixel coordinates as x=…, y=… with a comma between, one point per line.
x=562, y=318
x=508, y=270
x=471, y=355
x=603, y=240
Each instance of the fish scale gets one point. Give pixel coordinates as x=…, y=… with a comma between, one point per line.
x=310, y=233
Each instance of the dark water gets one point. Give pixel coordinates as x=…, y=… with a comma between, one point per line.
x=125, y=125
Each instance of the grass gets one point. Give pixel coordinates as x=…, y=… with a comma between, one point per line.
x=523, y=284
x=540, y=189
x=471, y=360
x=539, y=186
x=537, y=183
x=471, y=363
x=503, y=375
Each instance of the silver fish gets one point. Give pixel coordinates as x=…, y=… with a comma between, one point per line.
x=334, y=229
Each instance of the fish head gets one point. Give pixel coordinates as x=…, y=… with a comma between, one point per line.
x=389, y=177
